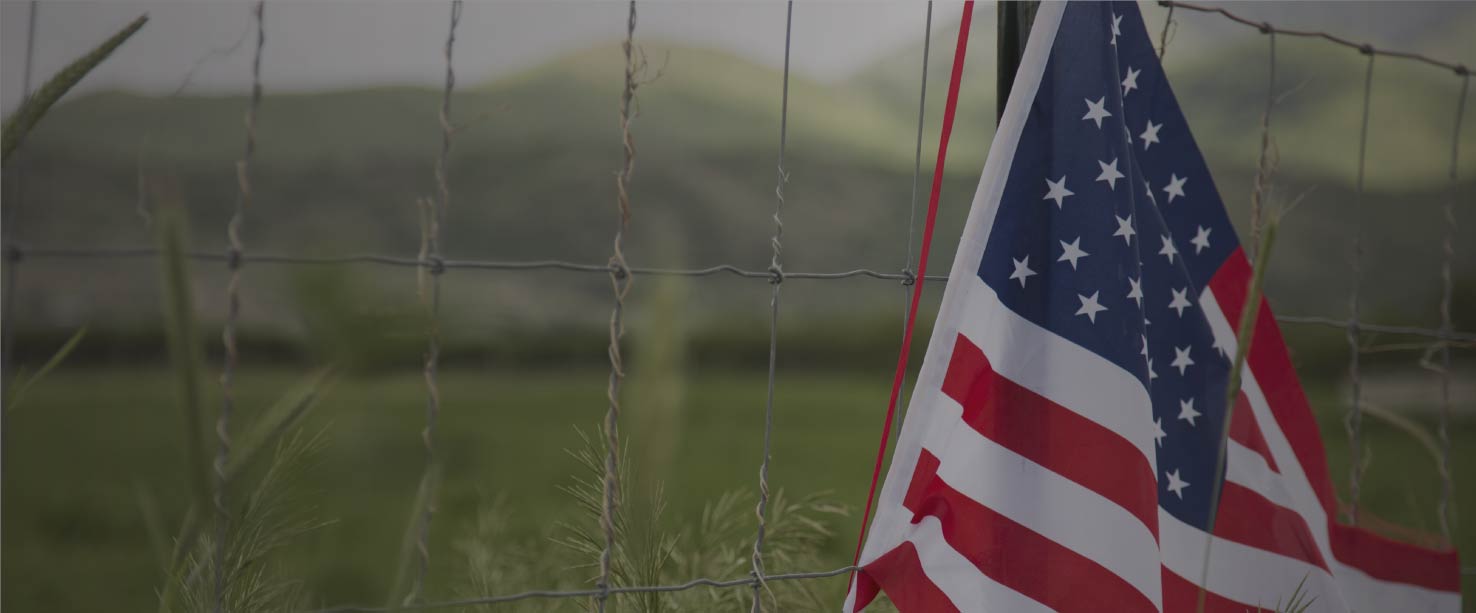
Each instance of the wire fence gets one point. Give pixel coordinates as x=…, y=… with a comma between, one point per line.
x=1436, y=343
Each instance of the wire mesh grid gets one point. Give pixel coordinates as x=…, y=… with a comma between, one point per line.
x=1436, y=342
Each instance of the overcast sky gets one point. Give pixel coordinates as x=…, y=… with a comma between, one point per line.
x=329, y=44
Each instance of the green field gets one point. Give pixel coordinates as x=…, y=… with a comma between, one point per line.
x=88, y=442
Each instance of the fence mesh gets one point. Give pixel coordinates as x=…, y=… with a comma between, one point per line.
x=1435, y=343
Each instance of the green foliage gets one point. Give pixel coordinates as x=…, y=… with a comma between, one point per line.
x=16, y=389
x=269, y=517
x=649, y=550
x=34, y=108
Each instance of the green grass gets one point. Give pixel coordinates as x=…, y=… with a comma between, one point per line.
x=78, y=454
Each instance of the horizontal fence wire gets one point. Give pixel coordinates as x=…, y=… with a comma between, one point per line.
x=15, y=254
x=907, y=278
x=1264, y=27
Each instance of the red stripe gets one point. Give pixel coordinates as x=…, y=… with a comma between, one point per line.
x=1015, y=556
x=1391, y=560
x=900, y=573
x=1248, y=518
x=1245, y=430
x=1050, y=435
x=960, y=51
x=1182, y=596
x=1377, y=556
x=1277, y=377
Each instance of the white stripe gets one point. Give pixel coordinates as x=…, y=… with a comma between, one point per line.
x=1371, y=594
x=1356, y=586
x=1301, y=498
x=959, y=579
x=1248, y=469
x=892, y=521
x=1241, y=573
x=1059, y=370
x=1053, y=506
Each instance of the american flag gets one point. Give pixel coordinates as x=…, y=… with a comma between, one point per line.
x=1062, y=442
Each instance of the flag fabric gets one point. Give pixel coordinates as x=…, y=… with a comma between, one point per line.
x=1062, y=440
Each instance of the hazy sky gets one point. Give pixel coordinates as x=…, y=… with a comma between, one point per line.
x=326, y=44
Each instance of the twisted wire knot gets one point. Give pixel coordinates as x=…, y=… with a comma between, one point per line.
x=436, y=264
x=1366, y=49
x=1265, y=27
x=234, y=258
x=776, y=274
x=909, y=278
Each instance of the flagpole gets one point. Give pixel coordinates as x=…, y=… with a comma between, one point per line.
x=1013, y=26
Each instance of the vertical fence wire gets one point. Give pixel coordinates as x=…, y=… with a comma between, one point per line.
x=433, y=219
x=620, y=282
x=1442, y=433
x=922, y=102
x=1353, y=421
x=776, y=280
x=13, y=255
x=233, y=313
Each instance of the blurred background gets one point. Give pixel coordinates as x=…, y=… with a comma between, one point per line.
x=95, y=477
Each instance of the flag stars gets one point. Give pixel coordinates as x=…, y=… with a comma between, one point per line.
x=1148, y=187
x=1145, y=346
x=1071, y=252
x=1090, y=307
x=1056, y=190
x=1181, y=360
x=1175, y=188
x=1180, y=301
x=1176, y=484
x=1125, y=229
x=1022, y=271
x=1096, y=111
x=1201, y=240
x=1222, y=345
x=1168, y=249
x=1158, y=433
x=1187, y=412
x=1151, y=373
x=1150, y=134
x=1136, y=293
x=1130, y=82
x=1116, y=28
x=1110, y=174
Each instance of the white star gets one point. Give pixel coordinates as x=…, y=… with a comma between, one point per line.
x=1116, y=28
x=1201, y=241
x=1181, y=360
x=1223, y=346
x=1148, y=187
x=1096, y=111
x=1131, y=82
x=1168, y=249
x=1057, y=190
x=1022, y=270
x=1150, y=134
x=1180, y=301
x=1125, y=229
x=1090, y=307
x=1145, y=346
x=1176, y=484
x=1175, y=187
x=1187, y=412
x=1109, y=173
x=1151, y=375
x=1072, y=252
x=1158, y=432
x=1136, y=293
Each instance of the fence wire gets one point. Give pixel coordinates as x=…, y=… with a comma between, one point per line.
x=429, y=262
